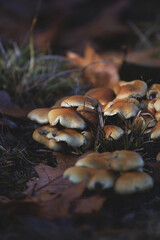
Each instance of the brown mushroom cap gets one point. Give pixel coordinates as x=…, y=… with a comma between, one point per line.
x=66, y=117
x=71, y=137
x=88, y=114
x=103, y=95
x=125, y=107
x=132, y=182
x=153, y=92
x=78, y=174
x=136, y=88
x=79, y=100
x=39, y=135
x=113, y=132
x=105, y=177
x=39, y=115
x=94, y=160
x=125, y=160
x=155, y=133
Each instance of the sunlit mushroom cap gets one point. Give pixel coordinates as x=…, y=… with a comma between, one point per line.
x=155, y=133
x=40, y=135
x=153, y=92
x=103, y=95
x=71, y=137
x=94, y=160
x=125, y=160
x=136, y=88
x=104, y=177
x=113, y=132
x=78, y=174
x=124, y=107
x=66, y=117
x=39, y=115
x=79, y=100
x=132, y=182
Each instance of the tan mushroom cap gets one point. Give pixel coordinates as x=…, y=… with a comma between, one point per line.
x=71, y=137
x=105, y=177
x=155, y=133
x=79, y=100
x=78, y=174
x=103, y=95
x=66, y=117
x=132, y=182
x=154, y=90
x=94, y=160
x=88, y=114
x=124, y=107
x=157, y=116
x=39, y=135
x=39, y=115
x=136, y=88
x=113, y=132
x=125, y=160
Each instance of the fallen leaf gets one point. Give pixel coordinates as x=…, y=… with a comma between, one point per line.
x=89, y=205
x=9, y=108
x=100, y=72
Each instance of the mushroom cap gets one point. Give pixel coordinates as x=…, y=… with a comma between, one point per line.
x=157, y=116
x=88, y=113
x=58, y=102
x=66, y=117
x=158, y=157
x=155, y=133
x=71, y=137
x=40, y=135
x=103, y=95
x=125, y=107
x=113, y=132
x=79, y=100
x=132, y=182
x=136, y=88
x=105, y=177
x=153, y=92
x=94, y=160
x=78, y=174
x=89, y=139
x=157, y=104
x=125, y=160
x=39, y=115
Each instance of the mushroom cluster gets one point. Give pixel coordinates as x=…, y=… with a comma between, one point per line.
x=121, y=170
x=73, y=122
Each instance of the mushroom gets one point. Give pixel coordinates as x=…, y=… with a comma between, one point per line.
x=136, y=88
x=155, y=133
x=126, y=107
x=79, y=100
x=132, y=182
x=78, y=174
x=67, y=117
x=104, y=177
x=39, y=115
x=113, y=132
x=40, y=135
x=124, y=160
x=88, y=114
x=103, y=95
x=94, y=160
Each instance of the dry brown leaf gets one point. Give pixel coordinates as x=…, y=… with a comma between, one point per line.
x=9, y=108
x=89, y=205
x=100, y=72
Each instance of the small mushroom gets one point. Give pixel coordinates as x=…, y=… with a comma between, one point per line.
x=136, y=88
x=78, y=174
x=153, y=92
x=39, y=115
x=132, y=182
x=104, y=177
x=103, y=95
x=124, y=160
x=79, y=100
x=113, y=132
x=66, y=117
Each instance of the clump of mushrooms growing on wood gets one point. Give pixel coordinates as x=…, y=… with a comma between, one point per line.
x=73, y=122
